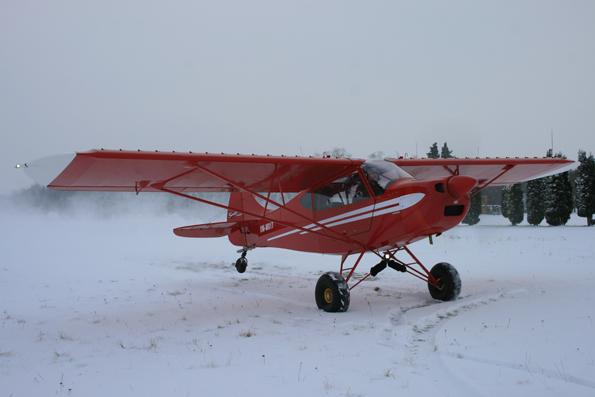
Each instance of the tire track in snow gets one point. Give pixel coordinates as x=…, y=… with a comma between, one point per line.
x=557, y=375
x=417, y=332
x=418, y=336
x=414, y=334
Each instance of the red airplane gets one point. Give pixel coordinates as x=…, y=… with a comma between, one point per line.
x=347, y=207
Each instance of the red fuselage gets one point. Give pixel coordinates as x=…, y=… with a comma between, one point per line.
x=407, y=211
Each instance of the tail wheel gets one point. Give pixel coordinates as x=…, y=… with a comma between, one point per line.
x=241, y=264
x=332, y=293
x=448, y=287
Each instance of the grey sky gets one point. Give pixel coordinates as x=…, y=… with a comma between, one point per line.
x=294, y=77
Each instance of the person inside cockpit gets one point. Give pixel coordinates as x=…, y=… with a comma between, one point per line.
x=374, y=180
x=381, y=174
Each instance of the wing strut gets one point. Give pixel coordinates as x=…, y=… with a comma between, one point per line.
x=243, y=211
x=161, y=187
x=268, y=199
x=455, y=172
x=486, y=184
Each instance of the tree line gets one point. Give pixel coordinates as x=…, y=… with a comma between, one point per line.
x=555, y=197
x=552, y=198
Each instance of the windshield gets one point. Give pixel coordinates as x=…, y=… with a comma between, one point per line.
x=382, y=173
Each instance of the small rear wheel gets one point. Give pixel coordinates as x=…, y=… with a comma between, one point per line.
x=242, y=264
x=332, y=293
x=448, y=286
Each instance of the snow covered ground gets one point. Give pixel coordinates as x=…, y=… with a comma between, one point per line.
x=96, y=306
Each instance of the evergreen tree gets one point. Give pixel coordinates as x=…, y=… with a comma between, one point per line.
x=558, y=197
x=535, y=204
x=472, y=216
x=433, y=153
x=446, y=153
x=505, y=201
x=491, y=197
x=585, y=186
x=516, y=207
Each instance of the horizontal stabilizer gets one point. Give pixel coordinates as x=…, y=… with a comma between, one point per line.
x=217, y=229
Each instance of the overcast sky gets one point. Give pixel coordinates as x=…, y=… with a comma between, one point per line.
x=493, y=78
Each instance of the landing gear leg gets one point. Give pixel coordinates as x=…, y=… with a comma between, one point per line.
x=333, y=293
x=443, y=280
x=242, y=262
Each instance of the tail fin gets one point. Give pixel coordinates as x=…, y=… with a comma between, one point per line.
x=240, y=202
x=237, y=221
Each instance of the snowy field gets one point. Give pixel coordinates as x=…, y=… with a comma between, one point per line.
x=97, y=306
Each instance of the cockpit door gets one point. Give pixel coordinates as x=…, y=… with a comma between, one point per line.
x=345, y=205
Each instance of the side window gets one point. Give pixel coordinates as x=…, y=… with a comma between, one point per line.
x=306, y=201
x=287, y=197
x=276, y=197
x=340, y=192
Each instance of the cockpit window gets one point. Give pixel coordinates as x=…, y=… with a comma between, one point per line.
x=382, y=173
x=343, y=191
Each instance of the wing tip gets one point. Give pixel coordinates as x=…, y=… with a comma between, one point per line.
x=46, y=169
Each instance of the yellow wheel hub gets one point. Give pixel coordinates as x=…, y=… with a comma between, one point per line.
x=328, y=295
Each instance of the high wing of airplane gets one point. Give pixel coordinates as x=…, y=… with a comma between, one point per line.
x=347, y=207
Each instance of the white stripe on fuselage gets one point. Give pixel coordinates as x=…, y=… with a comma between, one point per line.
x=389, y=206
x=334, y=218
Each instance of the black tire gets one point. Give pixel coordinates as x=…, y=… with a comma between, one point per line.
x=241, y=264
x=449, y=282
x=332, y=293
